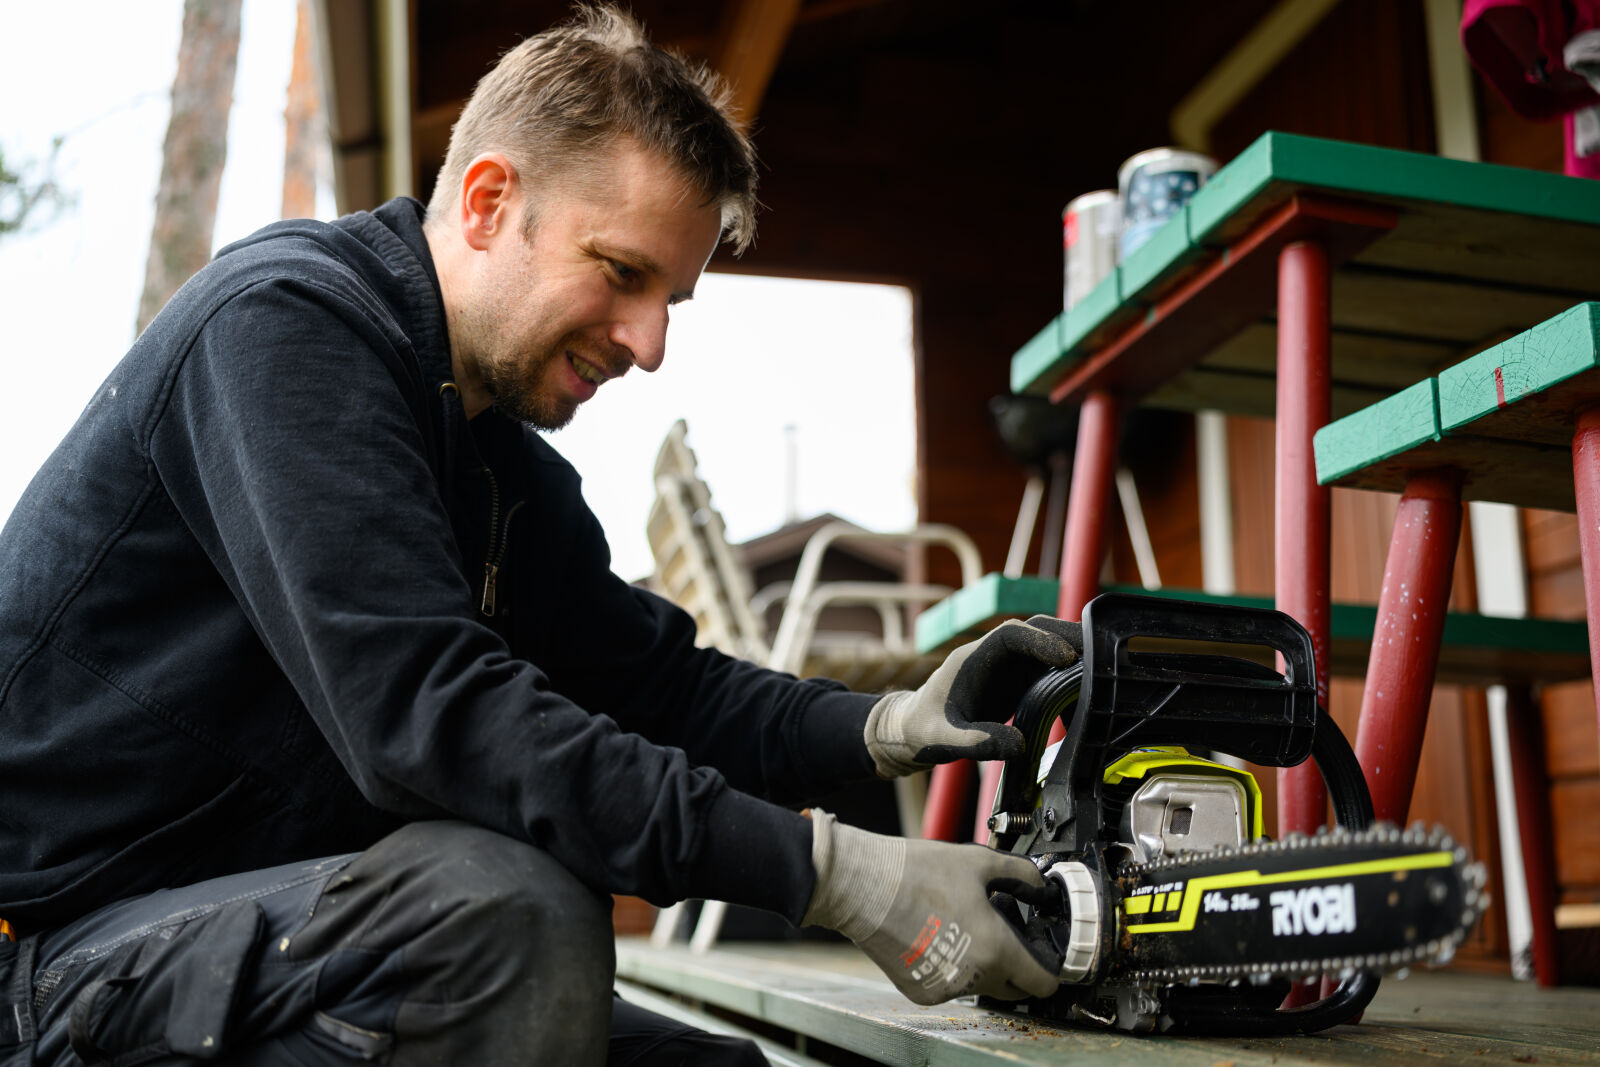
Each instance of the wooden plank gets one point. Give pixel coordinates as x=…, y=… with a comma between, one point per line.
x=974, y=608
x=1227, y=293
x=830, y=994
x=750, y=39
x=1477, y=649
x=1572, y=747
x=1156, y=262
x=1278, y=164
x=1393, y=425
x=777, y=1055
x=1439, y=308
x=1042, y=352
x=1574, y=804
x=1360, y=357
x=1530, y=253
x=1507, y=472
x=1103, y=309
x=1516, y=371
x=1101, y=314
x=1476, y=249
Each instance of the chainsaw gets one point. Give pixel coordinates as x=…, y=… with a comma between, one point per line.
x=1169, y=908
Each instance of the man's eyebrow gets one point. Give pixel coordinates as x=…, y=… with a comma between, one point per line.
x=641, y=261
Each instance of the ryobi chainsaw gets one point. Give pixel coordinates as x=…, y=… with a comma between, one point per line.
x=1168, y=906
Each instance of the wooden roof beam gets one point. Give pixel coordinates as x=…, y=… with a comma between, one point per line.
x=749, y=41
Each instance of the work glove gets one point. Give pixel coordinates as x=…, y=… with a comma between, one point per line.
x=960, y=711
x=920, y=910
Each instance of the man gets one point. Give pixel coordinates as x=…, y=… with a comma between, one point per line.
x=327, y=730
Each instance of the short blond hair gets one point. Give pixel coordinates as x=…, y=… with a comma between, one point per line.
x=568, y=95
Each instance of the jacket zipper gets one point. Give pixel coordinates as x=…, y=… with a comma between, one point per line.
x=499, y=541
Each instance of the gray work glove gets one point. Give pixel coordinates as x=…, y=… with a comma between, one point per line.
x=960, y=711
x=920, y=910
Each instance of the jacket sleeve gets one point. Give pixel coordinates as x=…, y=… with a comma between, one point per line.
x=632, y=655
x=290, y=451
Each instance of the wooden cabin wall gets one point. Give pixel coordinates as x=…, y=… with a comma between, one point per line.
x=1572, y=740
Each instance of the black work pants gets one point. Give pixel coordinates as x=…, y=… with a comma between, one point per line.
x=443, y=944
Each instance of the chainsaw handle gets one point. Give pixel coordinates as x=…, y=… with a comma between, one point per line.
x=1211, y=700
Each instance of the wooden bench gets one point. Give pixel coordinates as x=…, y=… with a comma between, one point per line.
x=1518, y=423
x=1477, y=649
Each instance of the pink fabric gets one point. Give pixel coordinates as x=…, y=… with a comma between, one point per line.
x=1506, y=39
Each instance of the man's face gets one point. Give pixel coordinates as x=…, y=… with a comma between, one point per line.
x=556, y=312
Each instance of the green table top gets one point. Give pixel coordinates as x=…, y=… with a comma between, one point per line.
x=1478, y=253
x=1503, y=419
x=1477, y=650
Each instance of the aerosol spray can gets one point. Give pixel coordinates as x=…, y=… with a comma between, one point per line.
x=1089, y=228
x=1153, y=186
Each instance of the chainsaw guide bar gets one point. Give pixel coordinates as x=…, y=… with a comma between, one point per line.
x=1336, y=903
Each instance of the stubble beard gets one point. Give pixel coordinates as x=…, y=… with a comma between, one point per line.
x=512, y=379
x=514, y=391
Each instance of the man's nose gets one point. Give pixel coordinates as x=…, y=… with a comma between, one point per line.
x=644, y=333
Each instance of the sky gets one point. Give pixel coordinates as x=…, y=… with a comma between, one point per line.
x=752, y=364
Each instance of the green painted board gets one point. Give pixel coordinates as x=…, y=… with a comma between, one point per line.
x=1092, y=312
x=1037, y=364
x=1393, y=425
x=1477, y=649
x=1042, y=351
x=1487, y=242
x=993, y=596
x=1527, y=364
x=1168, y=249
x=1366, y=171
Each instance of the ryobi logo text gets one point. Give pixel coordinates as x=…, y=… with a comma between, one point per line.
x=1318, y=909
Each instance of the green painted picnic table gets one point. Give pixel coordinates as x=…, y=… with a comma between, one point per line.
x=1306, y=279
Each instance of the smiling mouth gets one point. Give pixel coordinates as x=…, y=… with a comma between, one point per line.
x=588, y=371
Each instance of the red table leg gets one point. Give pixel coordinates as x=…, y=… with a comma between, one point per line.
x=947, y=798
x=1094, y=469
x=1405, y=642
x=1302, y=574
x=1531, y=786
x=1586, y=480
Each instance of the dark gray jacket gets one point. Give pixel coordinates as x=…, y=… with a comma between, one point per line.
x=241, y=620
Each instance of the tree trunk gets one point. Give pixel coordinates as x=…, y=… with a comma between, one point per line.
x=195, y=149
x=301, y=124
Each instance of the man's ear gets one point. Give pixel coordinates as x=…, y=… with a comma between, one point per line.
x=488, y=190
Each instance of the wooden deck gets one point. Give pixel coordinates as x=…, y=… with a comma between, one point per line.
x=820, y=999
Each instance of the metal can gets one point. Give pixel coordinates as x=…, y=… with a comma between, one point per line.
x=1153, y=186
x=1089, y=227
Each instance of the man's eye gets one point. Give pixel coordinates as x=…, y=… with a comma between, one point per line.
x=623, y=271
